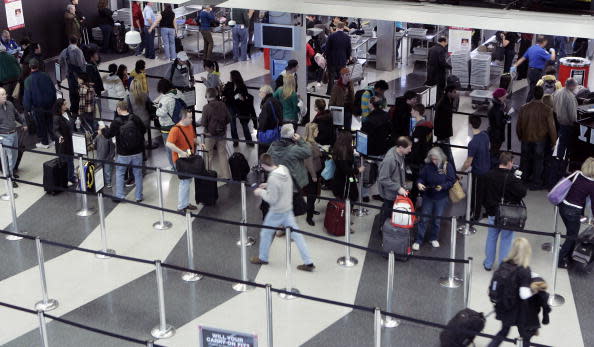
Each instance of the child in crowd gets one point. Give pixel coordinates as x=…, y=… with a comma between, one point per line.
x=105, y=151
x=123, y=75
x=213, y=79
x=139, y=74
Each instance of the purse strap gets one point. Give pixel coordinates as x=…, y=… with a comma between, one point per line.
x=273, y=112
x=184, y=135
x=504, y=183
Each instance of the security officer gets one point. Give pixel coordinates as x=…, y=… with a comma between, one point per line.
x=537, y=58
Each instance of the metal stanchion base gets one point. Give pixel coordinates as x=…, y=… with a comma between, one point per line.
x=450, y=282
x=556, y=300
x=360, y=212
x=462, y=230
x=250, y=242
x=242, y=287
x=51, y=304
x=191, y=277
x=6, y=197
x=14, y=237
x=547, y=247
x=162, y=226
x=103, y=256
x=347, y=262
x=289, y=296
x=158, y=333
x=86, y=212
x=389, y=322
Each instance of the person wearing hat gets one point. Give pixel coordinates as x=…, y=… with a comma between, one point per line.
x=497, y=120
x=180, y=72
x=291, y=69
x=343, y=95
x=291, y=150
x=338, y=53
x=536, y=130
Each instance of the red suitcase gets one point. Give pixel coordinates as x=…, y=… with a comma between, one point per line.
x=334, y=219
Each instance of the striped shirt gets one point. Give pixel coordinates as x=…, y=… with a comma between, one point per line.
x=366, y=99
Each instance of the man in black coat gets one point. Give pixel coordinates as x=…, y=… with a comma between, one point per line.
x=377, y=128
x=338, y=53
x=437, y=66
x=400, y=114
x=443, y=121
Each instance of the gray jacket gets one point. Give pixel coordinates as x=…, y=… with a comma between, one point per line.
x=105, y=147
x=565, y=106
x=180, y=74
x=8, y=118
x=72, y=55
x=391, y=175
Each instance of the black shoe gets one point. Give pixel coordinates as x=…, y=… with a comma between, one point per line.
x=310, y=222
x=116, y=200
x=378, y=198
x=139, y=200
x=306, y=267
x=15, y=175
x=316, y=213
x=250, y=145
x=14, y=184
x=563, y=264
x=486, y=268
x=235, y=144
x=365, y=199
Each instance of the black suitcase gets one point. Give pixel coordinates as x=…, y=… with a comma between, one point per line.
x=471, y=321
x=178, y=45
x=207, y=191
x=239, y=167
x=397, y=240
x=55, y=176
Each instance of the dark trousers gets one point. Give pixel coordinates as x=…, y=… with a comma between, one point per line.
x=495, y=151
x=106, y=32
x=526, y=335
x=533, y=76
x=208, y=44
x=149, y=50
x=73, y=93
x=311, y=191
x=565, y=134
x=244, y=125
x=444, y=144
x=476, y=198
x=532, y=162
x=44, y=122
x=508, y=60
x=386, y=211
x=571, y=218
x=21, y=134
x=333, y=74
x=142, y=44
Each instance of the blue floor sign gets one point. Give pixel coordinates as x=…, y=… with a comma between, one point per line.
x=213, y=337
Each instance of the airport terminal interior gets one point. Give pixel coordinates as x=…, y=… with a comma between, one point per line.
x=144, y=294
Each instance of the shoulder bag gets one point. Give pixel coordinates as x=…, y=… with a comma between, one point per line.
x=510, y=214
x=194, y=164
x=456, y=193
x=560, y=190
x=270, y=135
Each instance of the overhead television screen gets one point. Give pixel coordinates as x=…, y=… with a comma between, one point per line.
x=277, y=36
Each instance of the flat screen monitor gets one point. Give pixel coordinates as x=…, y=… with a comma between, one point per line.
x=275, y=36
x=361, y=142
x=337, y=115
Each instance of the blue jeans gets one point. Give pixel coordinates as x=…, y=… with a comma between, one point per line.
x=183, y=193
x=149, y=38
x=240, y=43
x=167, y=150
x=107, y=173
x=286, y=219
x=168, y=36
x=106, y=32
x=12, y=154
x=565, y=133
x=135, y=159
x=507, y=237
x=434, y=207
x=571, y=218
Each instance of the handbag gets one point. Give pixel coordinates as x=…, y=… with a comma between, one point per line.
x=193, y=164
x=329, y=169
x=510, y=214
x=456, y=193
x=560, y=190
x=299, y=205
x=270, y=135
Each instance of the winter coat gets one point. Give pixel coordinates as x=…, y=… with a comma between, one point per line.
x=292, y=154
x=165, y=108
x=400, y=115
x=443, y=118
x=71, y=26
x=378, y=128
x=326, y=134
x=63, y=128
x=115, y=89
x=431, y=176
x=497, y=120
x=270, y=107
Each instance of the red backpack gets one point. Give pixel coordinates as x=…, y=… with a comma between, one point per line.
x=404, y=219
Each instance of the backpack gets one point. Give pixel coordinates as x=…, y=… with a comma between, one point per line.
x=403, y=220
x=503, y=290
x=239, y=167
x=549, y=86
x=130, y=138
x=179, y=106
x=357, y=103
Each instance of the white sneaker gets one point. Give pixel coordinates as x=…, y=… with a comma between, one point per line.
x=41, y=145
x=435, y=244
x=416, y=246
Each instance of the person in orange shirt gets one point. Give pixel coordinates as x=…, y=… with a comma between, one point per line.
x=182, y=142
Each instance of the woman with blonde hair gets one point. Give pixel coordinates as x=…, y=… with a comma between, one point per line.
x=514, y=271
x=572, y=208
x=313, y=164
x=435, y=180
x=287, y=95
x=139, y=102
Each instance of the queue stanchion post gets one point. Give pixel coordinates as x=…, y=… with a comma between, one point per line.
x=7, y=179
x=377, y=327
x=509, y=134
x=451, y=281
x=548, y=246
x=347, y=260
x=360, y=211
x=85, y=210
x=519, y=342
x=288, y=271
x=468, y=229
x=387, y=321
x=467, y=281
x=42, y=328
x=163, y=330
x=243, y=241
x=190, y=276
x=11, y=196
x=554, y=298
x=161, y=224
x=269, y=321
x=46, y=304
x=250, y=241
x=105, y=249
x=150, y=343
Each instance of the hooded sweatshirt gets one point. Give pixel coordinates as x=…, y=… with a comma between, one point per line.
x=165, y=108
x=279, y=191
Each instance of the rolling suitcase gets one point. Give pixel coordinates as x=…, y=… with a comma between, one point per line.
x=397, y=240
x=334, y=218
x=55, y=176
x=206, y=191
x=471, y=321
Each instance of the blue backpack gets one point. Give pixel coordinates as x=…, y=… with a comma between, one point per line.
x=179, y=106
